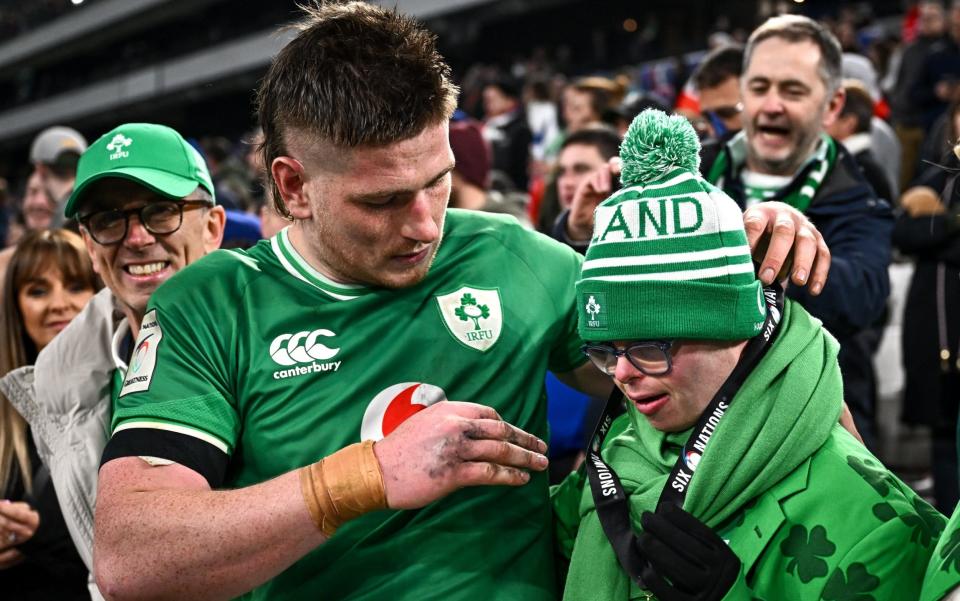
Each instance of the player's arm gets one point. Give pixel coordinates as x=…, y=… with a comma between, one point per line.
x=161, y=532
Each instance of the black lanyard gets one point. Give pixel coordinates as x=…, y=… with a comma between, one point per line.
x=609, y=497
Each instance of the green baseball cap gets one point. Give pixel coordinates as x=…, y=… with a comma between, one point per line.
x=155, y=156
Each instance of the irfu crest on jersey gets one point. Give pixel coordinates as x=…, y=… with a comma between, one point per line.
x=473, y=316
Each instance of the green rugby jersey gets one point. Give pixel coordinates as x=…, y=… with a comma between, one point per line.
x=260, y=361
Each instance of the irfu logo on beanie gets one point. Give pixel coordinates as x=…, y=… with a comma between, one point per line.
x=593, y=307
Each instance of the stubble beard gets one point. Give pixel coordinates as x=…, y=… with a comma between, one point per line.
x=344, y=262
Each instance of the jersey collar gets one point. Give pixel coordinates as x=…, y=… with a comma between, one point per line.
x=298, y=267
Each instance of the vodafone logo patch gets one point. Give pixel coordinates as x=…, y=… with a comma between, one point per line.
x=395, y=404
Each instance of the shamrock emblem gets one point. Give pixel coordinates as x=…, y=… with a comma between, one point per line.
x=852, y=587
x=927, y=523
x=469, y=309
x=951, y=552
x=872, y=472
x=806, y=551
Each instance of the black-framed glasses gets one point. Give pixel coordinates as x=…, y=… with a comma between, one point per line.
x=652, y=357
x=159, y=217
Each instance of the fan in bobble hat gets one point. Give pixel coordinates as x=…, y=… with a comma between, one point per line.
x=669, y=257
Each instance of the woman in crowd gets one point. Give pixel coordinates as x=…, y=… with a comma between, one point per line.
x=47, y=283
x=928, y=229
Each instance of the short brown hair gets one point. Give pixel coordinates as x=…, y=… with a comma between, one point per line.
x=355, y=75
x=858, y=103
x=797, y=28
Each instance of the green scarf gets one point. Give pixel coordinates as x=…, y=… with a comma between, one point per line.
x=799, y=193
x=782, y=414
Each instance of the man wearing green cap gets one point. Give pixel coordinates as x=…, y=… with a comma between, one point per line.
x=728, y=477
x=145, y=204
x=298, y=390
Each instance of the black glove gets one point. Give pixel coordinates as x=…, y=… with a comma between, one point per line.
x=687, y=561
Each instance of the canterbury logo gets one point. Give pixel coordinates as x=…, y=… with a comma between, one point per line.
x=302, y=347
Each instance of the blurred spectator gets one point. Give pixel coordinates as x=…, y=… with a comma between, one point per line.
x=230, y=175
x=541, y=118
x=506, y=130
x=54, y=154
x=586, y=100
x=583, y=152
x=791, y=90
x=884, y=143
x=634, y=104
x=908, y=114
x=852, y=128
x=938, y=146
x=48, y=282
x=938, y=82
x=471, y=185
x=38, y=208
x=929, y=230
x=717, y=81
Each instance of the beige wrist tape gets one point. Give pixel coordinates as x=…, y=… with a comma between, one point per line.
x=343, y=486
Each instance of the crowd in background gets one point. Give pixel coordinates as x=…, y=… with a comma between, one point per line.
x=526, y=136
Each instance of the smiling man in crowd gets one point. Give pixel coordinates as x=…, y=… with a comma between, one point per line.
x=145, y=204
x=285, y=431
x=791, y=91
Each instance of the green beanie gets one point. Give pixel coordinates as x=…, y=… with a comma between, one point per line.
x=669, y=257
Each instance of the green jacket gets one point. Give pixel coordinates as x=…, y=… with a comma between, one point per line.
x=840, y=527
x=943, y=571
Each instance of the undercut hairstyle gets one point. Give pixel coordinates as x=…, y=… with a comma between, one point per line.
x=797, y=28
x=605, y=139
x=718, y=66
x=355, y=75
x=858, y=103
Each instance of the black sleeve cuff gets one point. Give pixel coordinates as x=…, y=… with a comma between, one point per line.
x=202, y=457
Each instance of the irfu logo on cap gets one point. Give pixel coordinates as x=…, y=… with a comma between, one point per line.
x=117, y=145
x=595, y=310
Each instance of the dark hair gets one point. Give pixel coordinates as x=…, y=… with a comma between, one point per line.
x=355, y=75
x=508, y=86
x=718, y=66
x=604, y=139
x=797, y=28
x=859, y=103
x=65, y=165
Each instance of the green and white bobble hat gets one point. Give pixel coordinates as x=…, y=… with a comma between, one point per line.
x=669, y=257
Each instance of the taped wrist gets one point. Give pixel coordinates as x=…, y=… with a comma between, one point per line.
x=344, y=485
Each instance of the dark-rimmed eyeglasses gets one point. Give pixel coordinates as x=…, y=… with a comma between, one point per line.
x=159, y=217
x=651, y=357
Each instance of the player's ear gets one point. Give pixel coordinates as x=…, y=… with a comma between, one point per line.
x=288, y=173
